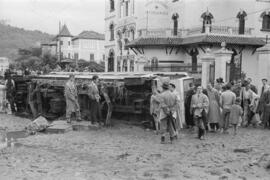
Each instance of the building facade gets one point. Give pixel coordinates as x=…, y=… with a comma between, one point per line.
x=4, y=65
x=171, y=35
x=88, y=45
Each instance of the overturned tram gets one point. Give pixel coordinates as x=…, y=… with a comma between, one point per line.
x=123, y=95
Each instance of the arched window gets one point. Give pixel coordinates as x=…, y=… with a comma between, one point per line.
x=207, y=20
x=119, y=34
x=126, y=42
x=175, y=17
x=124, y=66
x=241, y=16
x=118, y=65
x=132, y=33
x=126, y=7
x=111, y=5
x=112, y=32
x=120, y=45
x=154, y=64
x=194, y=61
x=265, y=21
x=131, y=65
x=111, y=61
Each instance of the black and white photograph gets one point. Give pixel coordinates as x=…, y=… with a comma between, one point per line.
x=134, y=89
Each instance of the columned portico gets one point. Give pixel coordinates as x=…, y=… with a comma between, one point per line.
x=207, y=59
x=222, y=57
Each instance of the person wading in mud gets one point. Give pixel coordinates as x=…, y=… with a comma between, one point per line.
x=199, y=108
x=168, y=102
x=71, y=95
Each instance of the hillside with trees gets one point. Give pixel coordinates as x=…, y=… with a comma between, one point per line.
x=13, y=38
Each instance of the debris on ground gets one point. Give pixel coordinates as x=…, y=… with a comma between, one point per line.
x=38, y=125
x=242, y=150
x=123, y=156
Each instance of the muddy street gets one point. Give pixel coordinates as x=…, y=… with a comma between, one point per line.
x=130, y=152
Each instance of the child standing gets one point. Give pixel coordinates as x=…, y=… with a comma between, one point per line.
x=235, y=115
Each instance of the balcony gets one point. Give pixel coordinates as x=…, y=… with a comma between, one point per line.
x=220, y=30
x=161, y=32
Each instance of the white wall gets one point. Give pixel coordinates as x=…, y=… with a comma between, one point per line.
x=66, y=48
x=85, y=47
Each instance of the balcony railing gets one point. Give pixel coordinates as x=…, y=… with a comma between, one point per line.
x=162, y=32
x=223, y=30
x=175, y=68
x=167, y=32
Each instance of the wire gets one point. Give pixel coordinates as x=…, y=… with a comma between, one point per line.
x=222, y=20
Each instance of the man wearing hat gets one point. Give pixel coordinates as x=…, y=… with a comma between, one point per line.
x=168, y=103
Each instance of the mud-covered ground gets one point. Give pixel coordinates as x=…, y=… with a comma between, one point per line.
x=130, y=152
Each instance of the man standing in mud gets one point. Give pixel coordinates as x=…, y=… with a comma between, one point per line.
x=10, y=92
x=71, y=95
x=199, y=108
x=264, y=89
x=94, y=99
x=168, y=103
x=265, y=106
x=227, y=99
x=188, y=115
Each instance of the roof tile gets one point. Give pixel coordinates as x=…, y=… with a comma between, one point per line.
x=90, y=35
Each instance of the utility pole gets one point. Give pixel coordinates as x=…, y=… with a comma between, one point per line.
x=146, y=21
x=59, y=42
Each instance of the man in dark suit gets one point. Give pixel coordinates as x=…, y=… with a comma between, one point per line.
x=264, y=88
x=265, y=104
x=188, y=115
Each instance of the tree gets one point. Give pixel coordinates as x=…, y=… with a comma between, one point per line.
x=49, y=60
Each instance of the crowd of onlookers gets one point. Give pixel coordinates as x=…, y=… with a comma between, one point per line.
x=214, y=108
x=236, y=103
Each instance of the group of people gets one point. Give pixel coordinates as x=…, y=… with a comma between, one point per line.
x=215, y=108
x=72, y=103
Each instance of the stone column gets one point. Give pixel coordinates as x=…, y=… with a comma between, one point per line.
x=106, y=64
x=140, y=63
x=222, y=57
x=207, y=28
x=207, y=59
x=128, y=64
x=263, y=63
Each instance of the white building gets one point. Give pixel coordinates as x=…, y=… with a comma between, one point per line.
x=4, y=65
x=172, y=35
x=88, y=45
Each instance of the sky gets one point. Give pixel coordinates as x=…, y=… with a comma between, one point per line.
x=44, y=15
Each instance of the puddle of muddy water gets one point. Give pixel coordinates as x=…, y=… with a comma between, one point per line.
x=16, y=134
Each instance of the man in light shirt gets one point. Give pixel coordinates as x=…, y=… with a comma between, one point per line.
x=227, y=99
x=199, y=108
